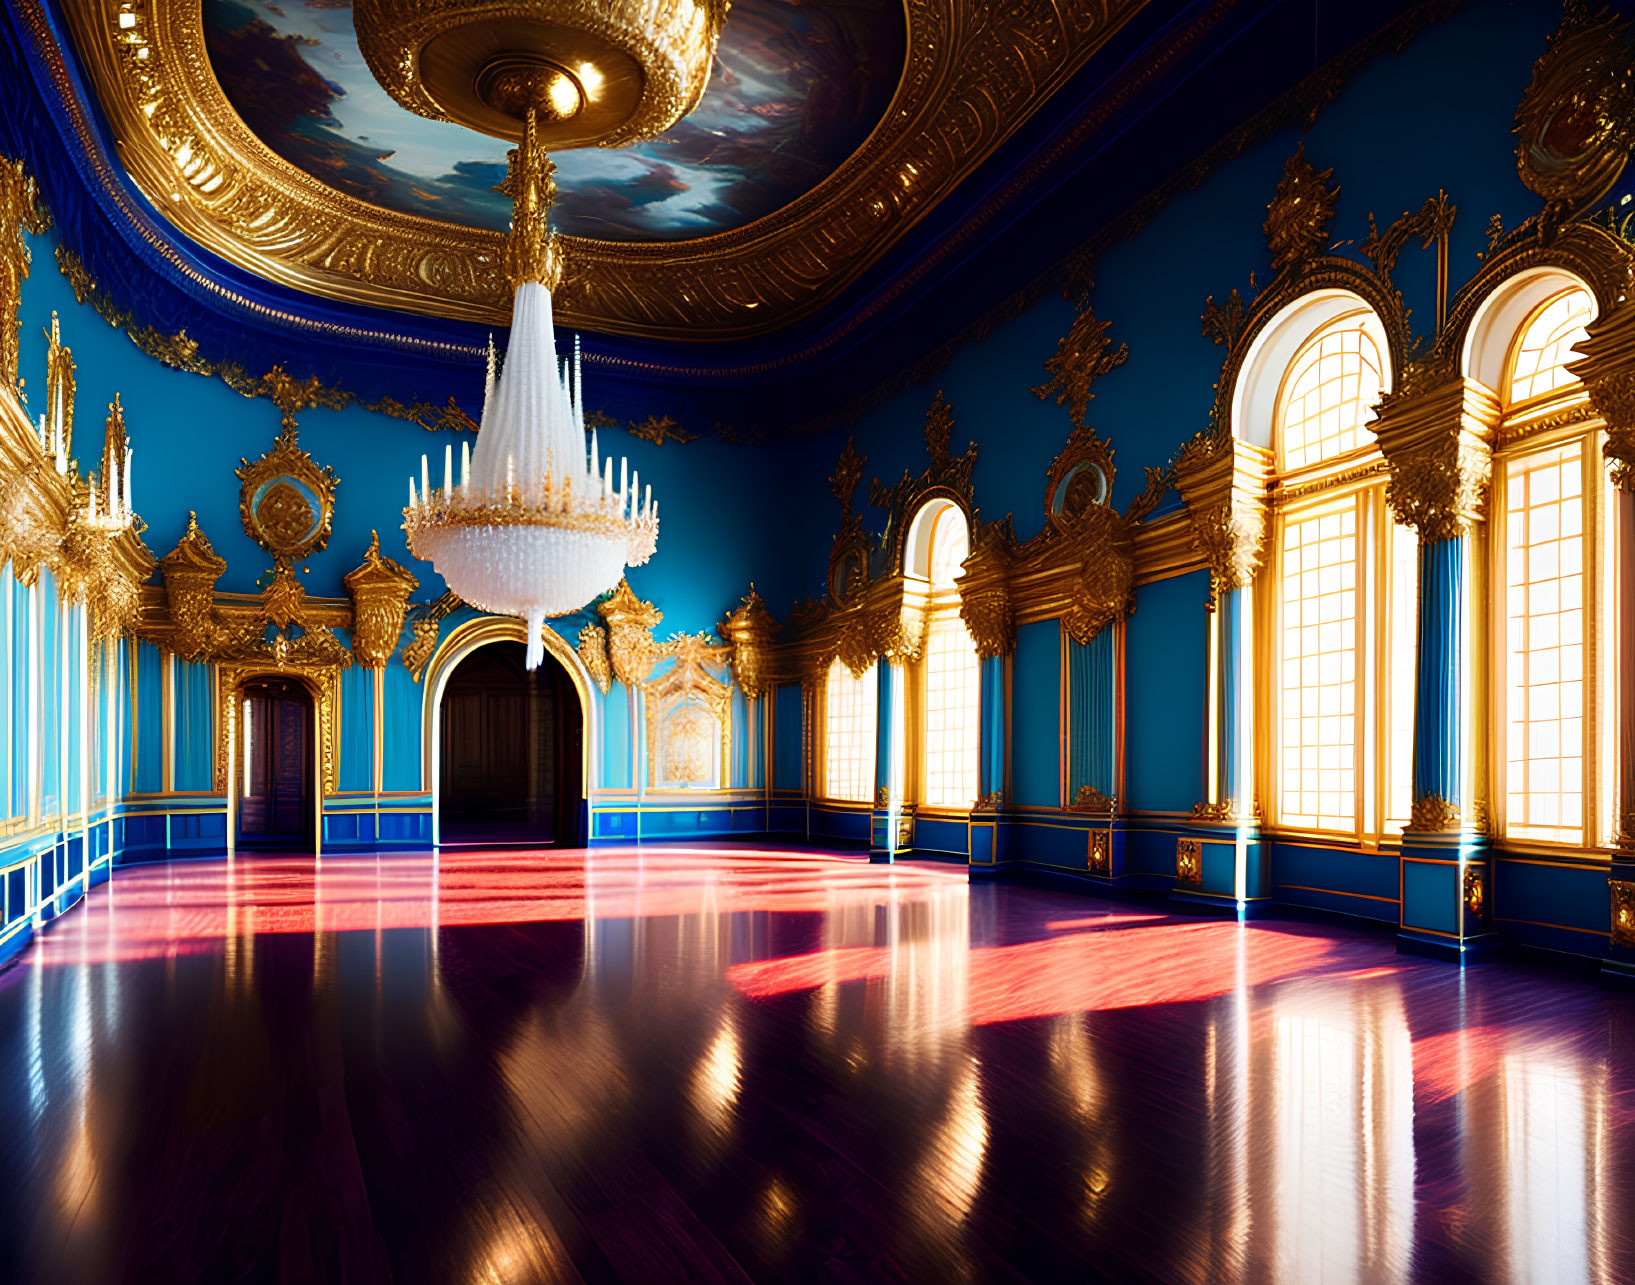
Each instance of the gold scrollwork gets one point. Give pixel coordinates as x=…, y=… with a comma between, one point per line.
x=1189, y=860
x=1089, y=799
x=1100, y=855
x=380, y=590
x=1432, y=813
x=1297, y=219
x=945, y=474
x=425, y=623
x=21, y=210
x=1224, y=484
x=1623, y=913
x=592, y=649
x=993, y=801
x=1475, y=891
x=1576, y=122
x=1083, y=356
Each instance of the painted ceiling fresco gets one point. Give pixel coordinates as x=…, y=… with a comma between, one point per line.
x=797, y=86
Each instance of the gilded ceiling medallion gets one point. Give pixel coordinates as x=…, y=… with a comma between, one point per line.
x=606, y=73
x=973, y=75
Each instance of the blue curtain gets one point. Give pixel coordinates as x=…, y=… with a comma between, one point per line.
x=400, y=732
x=147, y=765
x=357, y=767
x=194, y=724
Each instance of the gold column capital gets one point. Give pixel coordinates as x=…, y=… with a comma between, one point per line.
x=1225, y=484
x=1607, y=371
x=1437, y=447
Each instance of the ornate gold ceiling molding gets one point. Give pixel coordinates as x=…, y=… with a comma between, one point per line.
x=973, y=75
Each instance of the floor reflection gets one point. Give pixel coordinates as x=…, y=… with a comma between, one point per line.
x=708, y=1064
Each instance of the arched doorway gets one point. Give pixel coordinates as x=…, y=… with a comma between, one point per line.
x=510, y=751
x=276, y=801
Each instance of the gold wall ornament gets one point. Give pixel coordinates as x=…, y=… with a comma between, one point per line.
x=1432, y=814
x=1089, y=799
x=1100, y=857
x=1081, y=474
x=1576, y=122
x=21, y=210
x=993, y=801
x=287, y=500
x=425, y=623
x=1436, y=444
x=1103, y=586
x=630, y=625
x=984, y=586
x=592, y=649
x=1224, y=483
x=659, y=429
x=749, y=629
x=1083, y=356
x=973, y=76
x=190, y=572
x=1474, y=889
x=380, y=590
x=689, y=718
x=1297, y=220
x=1607, y=369
x=1189, y=861
x=1623, y=913
x=848, y=473
x=945, y=475
x=882, y=796
x=1223, y=323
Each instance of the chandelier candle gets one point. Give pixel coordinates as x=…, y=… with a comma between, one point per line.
x=531, y=531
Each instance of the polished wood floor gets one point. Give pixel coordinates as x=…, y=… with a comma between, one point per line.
x=700, y=1065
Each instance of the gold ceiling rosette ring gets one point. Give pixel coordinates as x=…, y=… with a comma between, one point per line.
x=598, y=73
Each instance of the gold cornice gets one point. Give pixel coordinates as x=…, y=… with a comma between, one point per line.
x=973, y=75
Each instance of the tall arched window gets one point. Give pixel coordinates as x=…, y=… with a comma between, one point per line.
x=850, y=707
x=950, y=735
x=1550, y=493
x=1343, y=580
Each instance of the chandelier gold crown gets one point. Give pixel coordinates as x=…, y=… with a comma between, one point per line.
x=600, y=73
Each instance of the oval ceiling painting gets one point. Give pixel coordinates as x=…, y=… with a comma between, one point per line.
x=797, y=86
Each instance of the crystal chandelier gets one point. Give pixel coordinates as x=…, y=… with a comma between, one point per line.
x=535, y=526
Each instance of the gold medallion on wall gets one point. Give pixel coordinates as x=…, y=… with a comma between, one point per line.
x=286, y=500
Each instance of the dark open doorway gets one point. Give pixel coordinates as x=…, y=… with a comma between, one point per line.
x=510, y=752
x=275, y=802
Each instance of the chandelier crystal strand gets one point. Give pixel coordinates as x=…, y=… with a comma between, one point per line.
x=531, y=530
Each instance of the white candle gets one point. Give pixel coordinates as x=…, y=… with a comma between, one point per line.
x=510, y=476
x=595, y=464
x=425, y=477
x=623, y=465
x=465, y=464
x=647, y=500
x=113, y=484
x=448, y=471
x=635, y=490
x=129, y=451
x=411, y=493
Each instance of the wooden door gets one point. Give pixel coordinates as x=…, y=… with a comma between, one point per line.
x=276, y=786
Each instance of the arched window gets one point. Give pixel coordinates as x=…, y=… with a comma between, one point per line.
x=850, y=707
x=1550, y=490
x=949, y=733
x=1329, y=392
x=1538, y=362
x=1343, y=583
